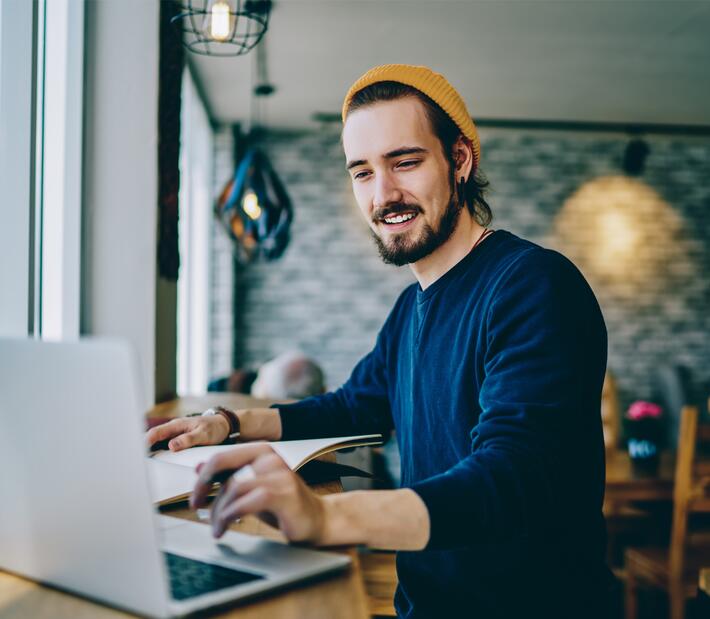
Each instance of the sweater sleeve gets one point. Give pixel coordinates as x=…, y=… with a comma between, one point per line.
x=536, y=457
x=360, y=406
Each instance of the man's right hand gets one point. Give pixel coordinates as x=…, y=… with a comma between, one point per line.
x=184, y=432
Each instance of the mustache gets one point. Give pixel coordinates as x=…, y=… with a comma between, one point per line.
x=395, y=209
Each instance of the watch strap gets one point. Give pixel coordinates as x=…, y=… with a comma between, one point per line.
x=232, y=420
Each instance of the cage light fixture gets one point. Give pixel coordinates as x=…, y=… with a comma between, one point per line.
x=222, y=27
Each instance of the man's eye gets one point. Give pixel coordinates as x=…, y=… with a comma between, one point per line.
x=409, y=163
x=360, y=175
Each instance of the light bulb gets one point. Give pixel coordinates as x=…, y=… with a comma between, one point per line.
x=219, y=21
x=250, y=205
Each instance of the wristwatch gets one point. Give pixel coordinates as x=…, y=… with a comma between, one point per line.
x=231, y=418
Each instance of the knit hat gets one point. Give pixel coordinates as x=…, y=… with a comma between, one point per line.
x=432, y=84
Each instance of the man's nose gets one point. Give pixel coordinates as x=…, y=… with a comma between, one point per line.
x=386, y=191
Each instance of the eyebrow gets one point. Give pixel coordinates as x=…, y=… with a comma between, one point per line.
x=405, y=150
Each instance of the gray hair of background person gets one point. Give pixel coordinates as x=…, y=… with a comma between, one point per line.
x=289, y=375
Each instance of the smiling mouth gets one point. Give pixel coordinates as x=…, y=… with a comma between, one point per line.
x=398, y=218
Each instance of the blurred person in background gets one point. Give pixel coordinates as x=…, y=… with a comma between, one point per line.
x=290, y=376
x=239, y=381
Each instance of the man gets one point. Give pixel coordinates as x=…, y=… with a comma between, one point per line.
x=489, y=368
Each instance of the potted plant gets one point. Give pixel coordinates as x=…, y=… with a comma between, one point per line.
x=644, y=432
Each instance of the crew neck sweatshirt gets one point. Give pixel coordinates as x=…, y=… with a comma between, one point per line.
x=491, y=378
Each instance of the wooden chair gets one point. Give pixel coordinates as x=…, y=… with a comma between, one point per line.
x=675, y=568
x=611, y=413
x=380, y=576
x=704, y=592
x=623, y=520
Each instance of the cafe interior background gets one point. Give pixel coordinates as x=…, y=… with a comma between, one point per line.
x=594, y=120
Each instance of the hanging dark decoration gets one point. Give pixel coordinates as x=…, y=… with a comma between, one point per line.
x=169, y=98
x=255, y=209
x=223, y=27
x=635, y=157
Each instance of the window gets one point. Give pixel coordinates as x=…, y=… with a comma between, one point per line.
x=196, y=181
x=17, y=90
x=41, y=76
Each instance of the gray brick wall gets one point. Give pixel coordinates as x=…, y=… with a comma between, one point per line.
x=330, y=293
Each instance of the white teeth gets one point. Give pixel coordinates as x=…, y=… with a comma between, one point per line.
x=398, y=219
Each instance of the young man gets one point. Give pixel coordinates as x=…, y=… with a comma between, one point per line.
x=489, y=368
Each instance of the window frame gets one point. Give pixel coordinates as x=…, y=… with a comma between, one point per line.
x=60, y=117
x=18, y=42
x=195, y=198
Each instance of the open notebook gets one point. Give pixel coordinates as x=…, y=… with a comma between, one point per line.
x=173, y=476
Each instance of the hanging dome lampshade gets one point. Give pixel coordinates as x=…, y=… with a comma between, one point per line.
x=255, y=209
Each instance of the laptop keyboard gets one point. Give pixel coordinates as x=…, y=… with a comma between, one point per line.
x=190, y=578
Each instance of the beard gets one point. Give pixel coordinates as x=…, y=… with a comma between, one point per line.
x=400, y=250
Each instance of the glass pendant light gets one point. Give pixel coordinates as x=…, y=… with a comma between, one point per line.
x=254, y=206
x=255, y=209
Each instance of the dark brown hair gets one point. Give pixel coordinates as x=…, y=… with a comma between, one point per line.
x=445, y=129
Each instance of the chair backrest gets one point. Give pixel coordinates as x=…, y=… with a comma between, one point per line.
x=692, y=483
x=673, y=389
x=611, y=415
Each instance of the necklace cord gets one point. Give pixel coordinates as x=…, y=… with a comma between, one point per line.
x=486, y=232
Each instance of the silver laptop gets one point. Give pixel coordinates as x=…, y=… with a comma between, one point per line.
x=76, y=509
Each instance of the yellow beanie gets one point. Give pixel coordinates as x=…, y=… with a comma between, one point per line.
x=432, y=84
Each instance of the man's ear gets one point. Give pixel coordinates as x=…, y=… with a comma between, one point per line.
x=463, y=158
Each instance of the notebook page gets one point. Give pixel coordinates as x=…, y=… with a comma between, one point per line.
x=294, y=453
x=172, y=474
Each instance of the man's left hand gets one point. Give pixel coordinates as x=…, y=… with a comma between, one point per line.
x=271, y=490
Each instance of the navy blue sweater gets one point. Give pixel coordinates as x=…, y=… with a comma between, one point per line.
x=492, y=379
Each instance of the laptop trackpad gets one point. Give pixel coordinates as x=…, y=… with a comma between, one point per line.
x=241, y=551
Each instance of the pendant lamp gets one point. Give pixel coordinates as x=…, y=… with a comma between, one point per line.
x=222, y=27
x=255, y=209
x=254, y=206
